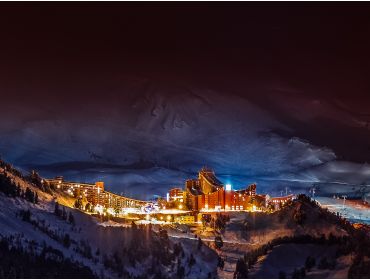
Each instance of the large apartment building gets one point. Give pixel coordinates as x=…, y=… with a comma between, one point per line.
x=95, y=194
x=208, y=193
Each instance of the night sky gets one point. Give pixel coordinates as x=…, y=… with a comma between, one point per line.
x=142, y=95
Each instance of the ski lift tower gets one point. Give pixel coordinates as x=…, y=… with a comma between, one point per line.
x=344, y=200
x=363, y=190
x=312, y=191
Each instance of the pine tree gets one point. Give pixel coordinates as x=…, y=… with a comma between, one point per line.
x=78, y=203
x=191, y=260
x=29, y=195
x=200, y=243
x=219, y=242
x=36, y=196
x=88, y=207
x=18, y=191
x=310, y=263
x=71, y=219
x=180, y=271
x=66, y=241
x=64, y=214
x=241, y=271
x=56, y=209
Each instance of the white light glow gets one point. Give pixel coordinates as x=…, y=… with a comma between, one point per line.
x=111, y=211
x=98, y=208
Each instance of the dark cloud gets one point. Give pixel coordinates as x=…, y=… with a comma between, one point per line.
x=262, y=90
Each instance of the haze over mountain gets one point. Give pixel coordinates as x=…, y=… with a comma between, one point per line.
x=143, y=97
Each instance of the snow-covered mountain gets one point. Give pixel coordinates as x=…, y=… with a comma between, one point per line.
x=153, y=136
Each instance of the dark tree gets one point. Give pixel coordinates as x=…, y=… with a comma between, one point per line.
x=36, y=198
x=78, y=203
x=26, y=215
x=180, y=271
x=310, y=263
x=56, y=209
x=200, y=243
x=18, y=190
x=299, y=216
x=221, y=263
x=64, y=214
x=241, y=271
x=323, y=264
x=177, y=248
x=299, y=273
x=71, y=219
x=282, y=275
x=29, y=195
x=88, y=207
x=49, y=264
x=219, y=242
x=191, y=260
x=66, y=240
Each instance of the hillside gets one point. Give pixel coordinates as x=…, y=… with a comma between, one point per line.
x=39, y=232
x=304, y=240
x=39, y=225
x=267, y=243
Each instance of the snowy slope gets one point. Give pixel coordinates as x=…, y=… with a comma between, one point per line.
x=88, y=237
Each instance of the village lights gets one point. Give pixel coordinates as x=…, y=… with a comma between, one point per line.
x=111, y=211
x=99, y=208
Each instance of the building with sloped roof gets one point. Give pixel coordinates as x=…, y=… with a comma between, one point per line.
x=207, y=192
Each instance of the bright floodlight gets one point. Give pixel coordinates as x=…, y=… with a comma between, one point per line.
x=228, y=187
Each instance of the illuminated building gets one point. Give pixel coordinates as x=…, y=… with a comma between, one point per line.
x=277, y=202
x=188, y=219
x=95, y=194
x=176, y=194
x=208, y=193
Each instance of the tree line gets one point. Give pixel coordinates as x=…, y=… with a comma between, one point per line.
x=10, y=188
x=17, y=262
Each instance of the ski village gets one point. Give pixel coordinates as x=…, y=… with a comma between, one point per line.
x=204, y=230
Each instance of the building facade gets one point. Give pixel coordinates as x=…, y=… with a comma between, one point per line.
x=207, y=193
x=95, y=194
x=278, y=202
